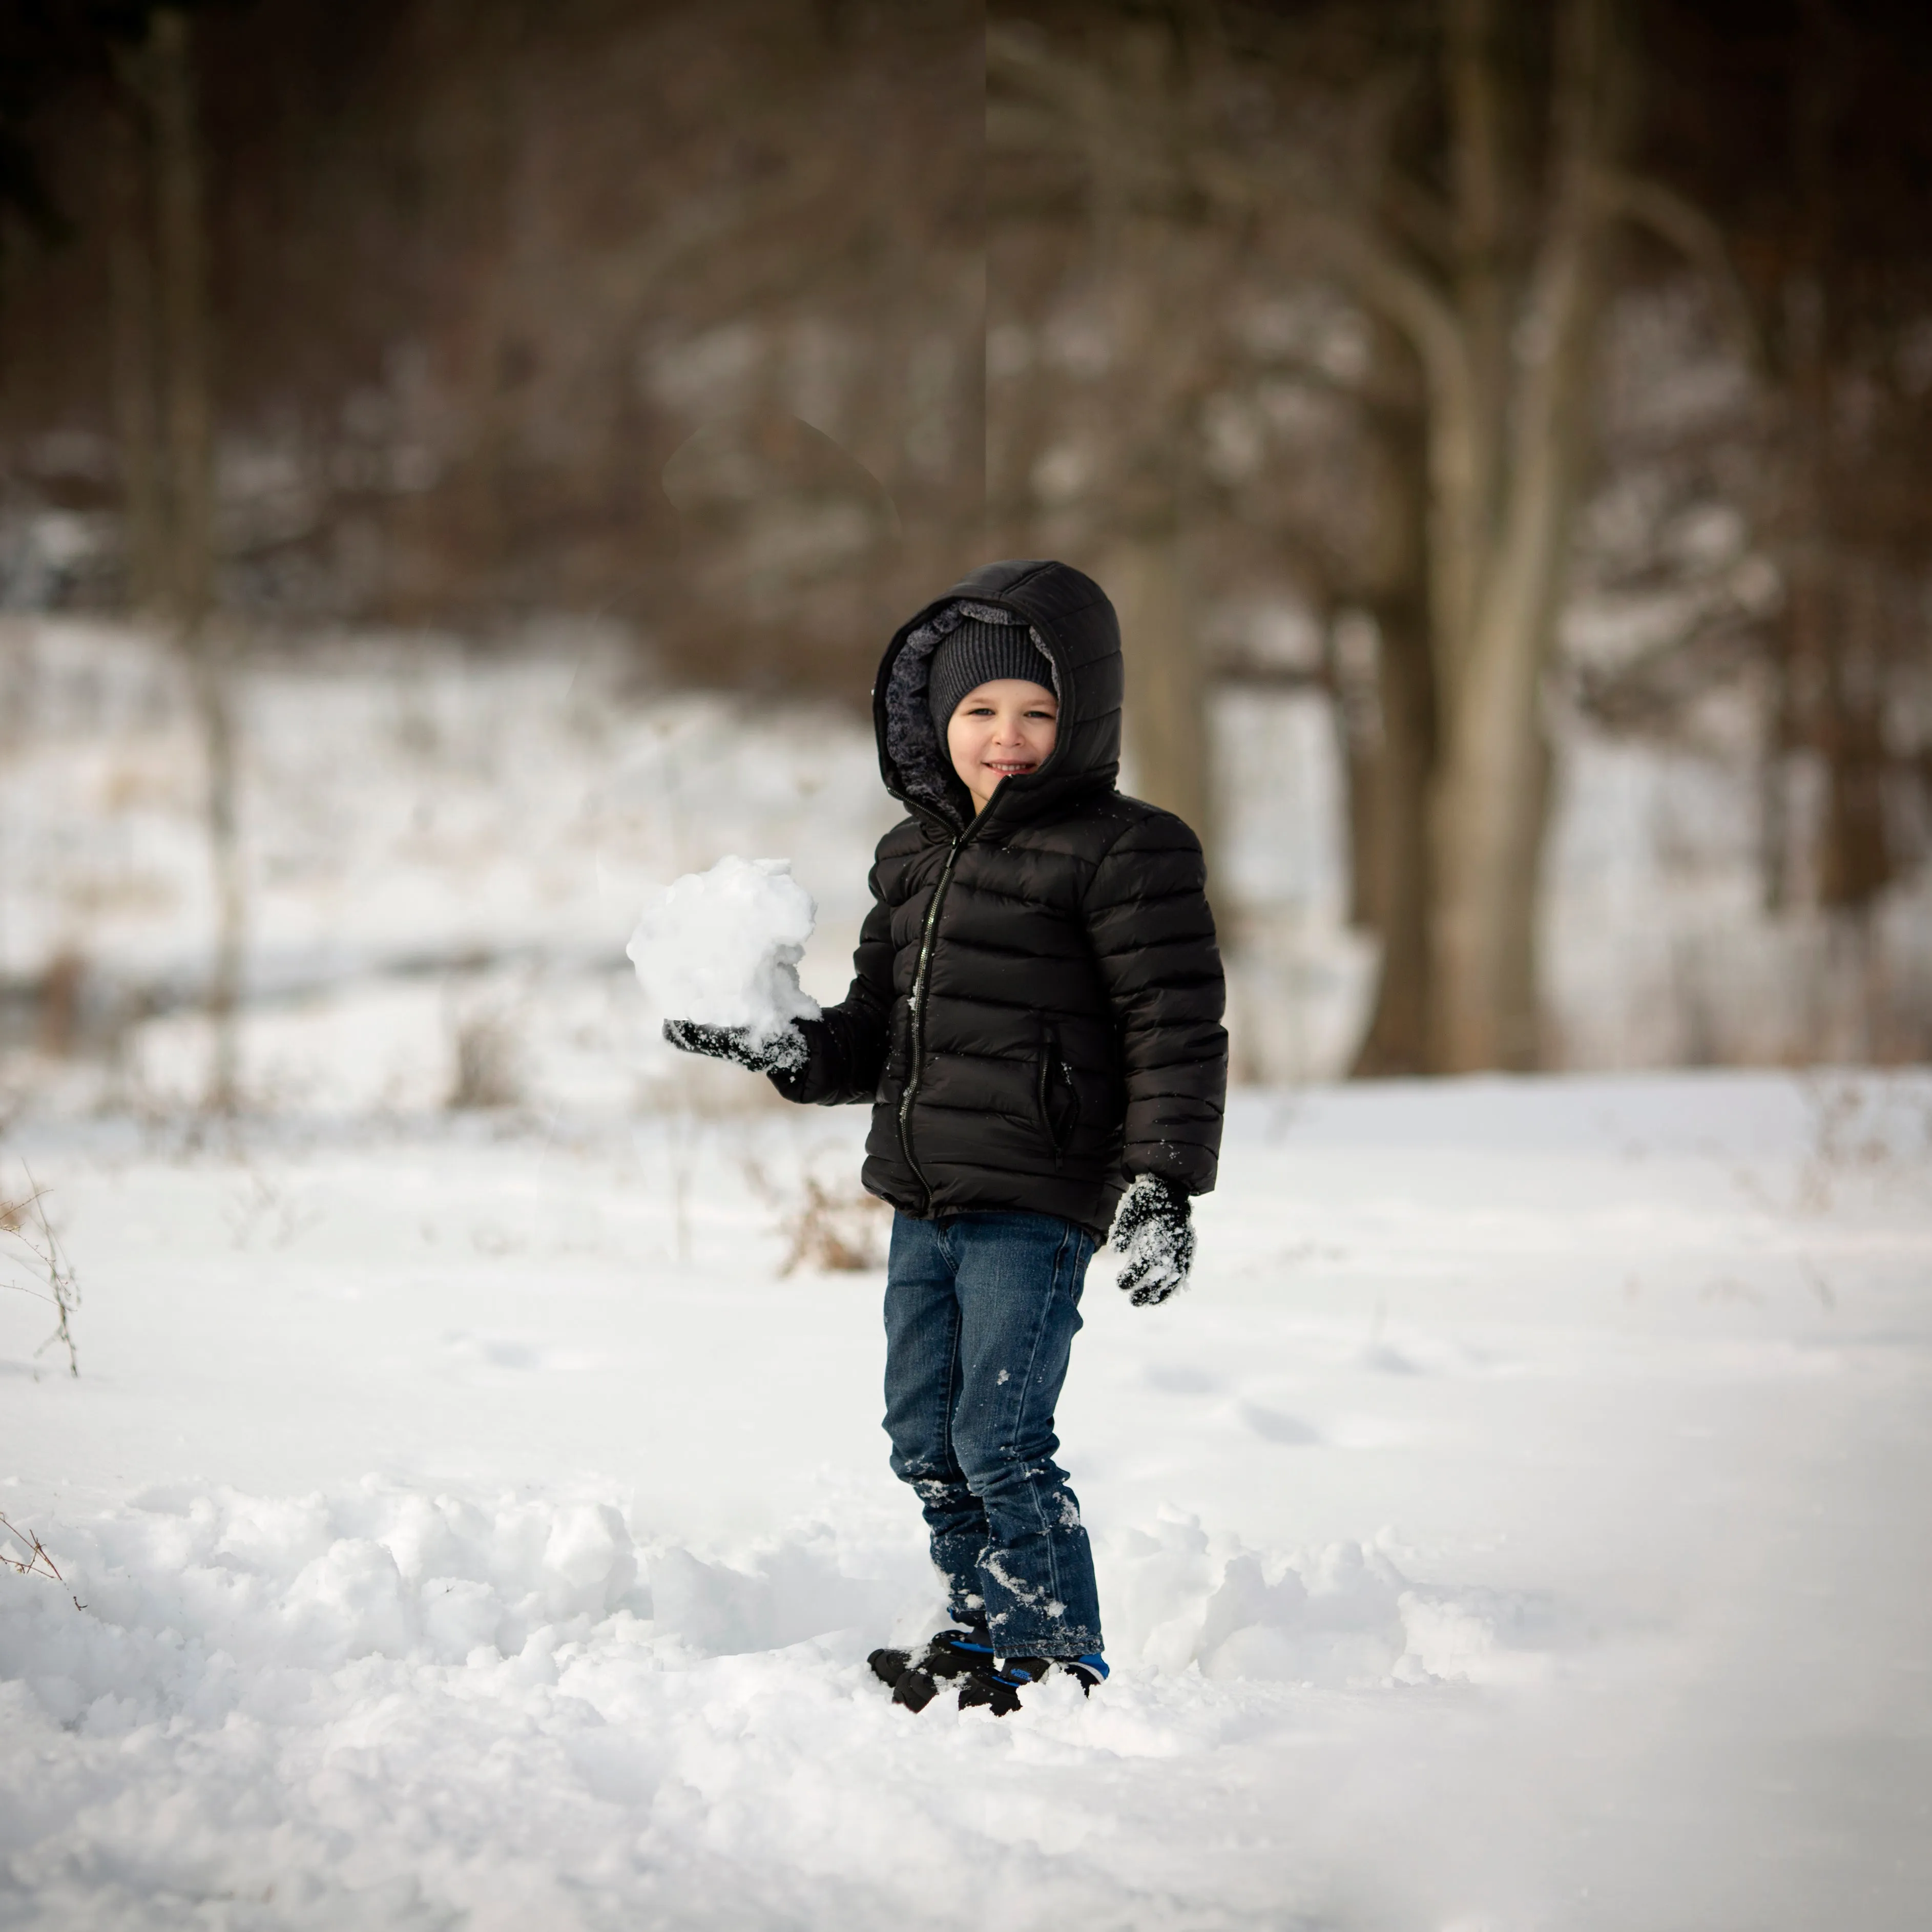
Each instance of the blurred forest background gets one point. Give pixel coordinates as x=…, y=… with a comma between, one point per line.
x=461, y=458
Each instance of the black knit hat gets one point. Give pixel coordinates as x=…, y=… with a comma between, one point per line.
x=975, y=654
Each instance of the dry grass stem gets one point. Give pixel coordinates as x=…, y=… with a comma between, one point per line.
x=833, y=1231
x=27, y=1237
x=488, y=1072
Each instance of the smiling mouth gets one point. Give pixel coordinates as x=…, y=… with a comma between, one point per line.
x=1009, y=768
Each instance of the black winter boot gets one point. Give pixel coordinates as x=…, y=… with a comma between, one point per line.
x=998, y=1685
x=916, y=1675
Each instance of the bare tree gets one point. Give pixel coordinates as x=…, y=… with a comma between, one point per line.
x=1508, y=361
x=1095, y=456
x=1489, y=253
x=1142, y=555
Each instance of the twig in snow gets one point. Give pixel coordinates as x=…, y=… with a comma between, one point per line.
x=36, y=1563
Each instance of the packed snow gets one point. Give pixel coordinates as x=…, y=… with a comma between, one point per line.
x=722, y=947
x=1518, y=1523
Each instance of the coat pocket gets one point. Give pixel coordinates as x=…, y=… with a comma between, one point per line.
x=1055, y=1096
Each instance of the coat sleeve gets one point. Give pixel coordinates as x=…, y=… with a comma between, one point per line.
x=845, y=1046
x=1153, y=937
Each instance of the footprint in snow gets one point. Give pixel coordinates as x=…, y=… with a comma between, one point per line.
x=1273, y=1426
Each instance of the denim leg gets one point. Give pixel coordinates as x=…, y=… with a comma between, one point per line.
x=1018, y=1278
x=922, y=1391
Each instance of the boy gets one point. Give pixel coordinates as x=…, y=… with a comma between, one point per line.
x=1035, y=1015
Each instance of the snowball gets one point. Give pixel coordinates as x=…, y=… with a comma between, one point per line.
x=722, y=947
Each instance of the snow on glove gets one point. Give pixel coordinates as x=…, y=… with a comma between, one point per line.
x=782, y=1053
x=1153, y=1235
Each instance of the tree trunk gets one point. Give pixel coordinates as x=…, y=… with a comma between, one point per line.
x=1166, y=717
x=1354, y=701
x=1397, y=1040
x=1833, y=636
x=1467, y=450
x=128, y=218
x=1394, y=825
x=1485, y=798
x=1491, y=789
x=182, y=280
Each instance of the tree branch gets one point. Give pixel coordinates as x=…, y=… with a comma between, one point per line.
x=1145, y=145
x=1293, y=200
x=1682, y=225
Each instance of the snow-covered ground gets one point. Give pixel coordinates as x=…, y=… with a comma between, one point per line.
x=1521, y=1524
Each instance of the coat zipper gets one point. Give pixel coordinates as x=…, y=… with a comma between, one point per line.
x=916, y=1041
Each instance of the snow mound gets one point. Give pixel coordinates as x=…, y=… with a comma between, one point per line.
x=1339, y=1616
x=722, y=947
x=389, y=1708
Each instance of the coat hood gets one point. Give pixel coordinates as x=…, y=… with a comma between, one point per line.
x=1073, y=626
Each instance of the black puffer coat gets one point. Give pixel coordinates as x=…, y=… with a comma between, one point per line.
x=1036, y=1008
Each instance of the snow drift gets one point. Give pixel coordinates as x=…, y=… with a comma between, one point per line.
x=294, y=1701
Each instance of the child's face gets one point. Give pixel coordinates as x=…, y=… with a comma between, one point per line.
x=1005, y=727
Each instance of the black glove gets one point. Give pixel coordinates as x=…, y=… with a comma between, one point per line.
x=1153, y=1235
x=783, y=1053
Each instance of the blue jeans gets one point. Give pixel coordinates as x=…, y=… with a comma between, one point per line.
x=981, y=1311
